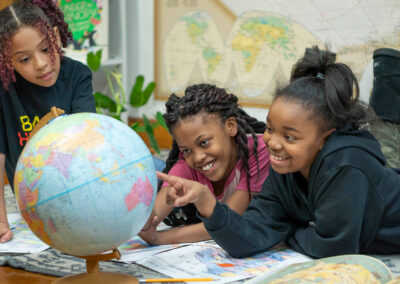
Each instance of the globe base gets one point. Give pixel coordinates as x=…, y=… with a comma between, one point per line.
x=95, y=276
x=98, y=278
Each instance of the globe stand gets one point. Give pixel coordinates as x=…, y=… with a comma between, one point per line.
x=54, y=112
x=95, y=276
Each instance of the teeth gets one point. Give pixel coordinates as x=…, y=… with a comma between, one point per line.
x=278, y=158
x=208, y=166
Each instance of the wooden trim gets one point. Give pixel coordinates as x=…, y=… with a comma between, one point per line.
x=5, y=3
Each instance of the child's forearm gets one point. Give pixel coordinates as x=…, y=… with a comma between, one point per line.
x=184, y=234
x=3, y=211
x=161, y=208
x=205, y=203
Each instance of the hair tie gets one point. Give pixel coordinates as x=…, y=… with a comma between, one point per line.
x=320, y=76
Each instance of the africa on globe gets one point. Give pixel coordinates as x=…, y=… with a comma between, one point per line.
x=85, y=183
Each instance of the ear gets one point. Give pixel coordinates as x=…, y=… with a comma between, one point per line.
x=231, y=126
x=57, y=34
x=325, y=136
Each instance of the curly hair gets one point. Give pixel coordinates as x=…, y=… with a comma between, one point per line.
x=212, y=100
x=330, y=90
x=43, y=15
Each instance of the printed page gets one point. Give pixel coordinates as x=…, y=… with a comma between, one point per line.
x=208, y=260
x=23, y=241
x=137, y=249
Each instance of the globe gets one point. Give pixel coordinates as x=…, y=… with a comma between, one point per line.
x=85, y=183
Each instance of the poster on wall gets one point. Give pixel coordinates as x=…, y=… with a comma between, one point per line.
x=89, y=24
x=248, y=47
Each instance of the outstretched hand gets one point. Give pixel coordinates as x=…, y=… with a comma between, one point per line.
x=182, y=191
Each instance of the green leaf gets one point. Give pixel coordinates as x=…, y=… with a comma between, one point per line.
x=153, y=142
x=161, y=121
x=116, y=116
x=94, y=60
x=150, y=133
x=105, y=102
x=147, y=93
x=136, y=92
x=135, y=126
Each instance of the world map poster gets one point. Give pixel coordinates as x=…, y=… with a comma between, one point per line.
x=248, y=47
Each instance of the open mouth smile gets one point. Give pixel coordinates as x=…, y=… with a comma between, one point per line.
x=208, y=166
x=278, y=158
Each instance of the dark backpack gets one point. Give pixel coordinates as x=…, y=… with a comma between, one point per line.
x=385, y=96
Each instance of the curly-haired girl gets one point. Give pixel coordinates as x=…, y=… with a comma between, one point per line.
x=34, y=76
x=215, y=143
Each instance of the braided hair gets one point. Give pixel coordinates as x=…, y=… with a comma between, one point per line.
x=212, y=100
x=328, y=89
x=43, y=15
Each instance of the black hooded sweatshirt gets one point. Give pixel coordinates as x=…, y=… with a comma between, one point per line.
x=350, y=204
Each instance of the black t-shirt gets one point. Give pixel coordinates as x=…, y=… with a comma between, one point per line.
x=25, y=103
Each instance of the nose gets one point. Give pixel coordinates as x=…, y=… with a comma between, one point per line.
x=272, y=141
x=198, y=157
x=41, y=61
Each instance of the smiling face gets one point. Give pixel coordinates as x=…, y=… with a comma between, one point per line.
x=293, y=138
x=207, y=144
x=31, y=58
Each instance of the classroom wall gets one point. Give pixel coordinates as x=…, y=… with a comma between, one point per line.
x=140, y=37
x=141, y=54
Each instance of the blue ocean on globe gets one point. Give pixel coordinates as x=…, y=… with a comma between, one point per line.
x=85, y=183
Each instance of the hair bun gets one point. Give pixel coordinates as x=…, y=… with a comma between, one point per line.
x=314, y=62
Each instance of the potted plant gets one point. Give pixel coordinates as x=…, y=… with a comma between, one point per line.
x=113, y=104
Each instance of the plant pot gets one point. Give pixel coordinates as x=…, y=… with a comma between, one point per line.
x=162, y=136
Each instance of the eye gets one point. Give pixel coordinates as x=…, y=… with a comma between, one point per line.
x=185, y=152
x=268, y=129
x=204, y=143
x=24, y=59
x=290, y=138
x=45, y=49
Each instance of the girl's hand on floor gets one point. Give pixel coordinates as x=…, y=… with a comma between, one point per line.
x=5, y=232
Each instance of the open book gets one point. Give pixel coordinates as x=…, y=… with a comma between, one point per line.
x=337, y=269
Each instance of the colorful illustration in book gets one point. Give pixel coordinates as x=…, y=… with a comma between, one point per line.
x=207, y=259
x=88, y=22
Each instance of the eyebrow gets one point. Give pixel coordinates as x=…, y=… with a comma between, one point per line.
x=286, y=127
x=196, y=141
x=290, y=129
x=24, y=51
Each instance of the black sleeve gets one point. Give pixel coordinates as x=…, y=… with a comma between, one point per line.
x=346, y=201
x=83, y=99
x=3, y=141
x=263, y=225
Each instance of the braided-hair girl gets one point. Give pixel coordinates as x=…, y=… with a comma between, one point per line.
x=215, y=143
